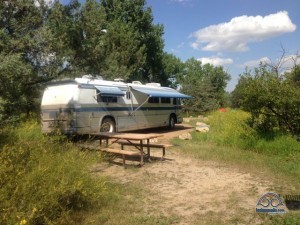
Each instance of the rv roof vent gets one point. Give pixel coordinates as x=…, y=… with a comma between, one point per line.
x=92, y=77
x=136, y=82
x=88, y=76
x=154, y=84
x=98, y=77
x=119, y=80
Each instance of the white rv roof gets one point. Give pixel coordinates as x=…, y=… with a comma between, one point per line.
x=99, y=82
x=150, y=90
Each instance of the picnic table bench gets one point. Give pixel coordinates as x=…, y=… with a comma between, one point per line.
x=139, y=141
x=121, y=152
x=148, y=146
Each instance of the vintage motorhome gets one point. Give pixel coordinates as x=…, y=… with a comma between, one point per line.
x=90, y=105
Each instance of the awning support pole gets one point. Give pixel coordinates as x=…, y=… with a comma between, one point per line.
x=141, y=105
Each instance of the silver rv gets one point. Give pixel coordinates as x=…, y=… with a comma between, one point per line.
x=86, y=106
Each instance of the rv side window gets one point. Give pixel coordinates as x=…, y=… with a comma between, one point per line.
x=106, y=99
x=165, y=100
x=109, y=99
x=153, y=100
x=176, y=101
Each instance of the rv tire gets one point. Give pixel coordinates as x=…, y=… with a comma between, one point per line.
x=172, y=121
x=108, y=125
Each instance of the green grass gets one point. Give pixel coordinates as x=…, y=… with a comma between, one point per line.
x=232, y=129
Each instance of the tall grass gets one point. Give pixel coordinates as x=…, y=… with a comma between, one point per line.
x=46, y=181
x=232, y=129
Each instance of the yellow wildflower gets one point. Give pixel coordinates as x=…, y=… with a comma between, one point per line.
x=23, y=222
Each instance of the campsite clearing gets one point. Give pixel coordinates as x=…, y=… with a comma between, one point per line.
x=191, y=190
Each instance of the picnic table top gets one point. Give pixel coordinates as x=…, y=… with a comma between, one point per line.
x=129, y=136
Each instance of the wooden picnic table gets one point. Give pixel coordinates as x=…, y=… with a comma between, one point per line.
x=132, y=139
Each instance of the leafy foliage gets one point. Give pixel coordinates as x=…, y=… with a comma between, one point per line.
x=272, y=100
x=14, y=54
x=205, y=83
x=17, y=96
x=29, y=55
x=173, y=67
x=135, y=46
x=42, y=42
x=123, y=56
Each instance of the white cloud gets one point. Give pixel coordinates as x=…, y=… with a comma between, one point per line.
x=239, y=31
x=289, y=61
x=216, y=61
x=256, y=62
x=181, y=1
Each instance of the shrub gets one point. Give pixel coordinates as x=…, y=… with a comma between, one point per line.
x=44, y=181
x=232, y=128
x=271, y=98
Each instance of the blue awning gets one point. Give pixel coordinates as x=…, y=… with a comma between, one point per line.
x=109, y=91
x=165, y=93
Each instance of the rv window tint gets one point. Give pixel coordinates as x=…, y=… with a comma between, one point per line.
x=165, y=100
x=106, y=99
x=153, y=100
x=176, y=101
x=109, y=99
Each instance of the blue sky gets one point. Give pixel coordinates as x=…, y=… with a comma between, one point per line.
x=230, y=33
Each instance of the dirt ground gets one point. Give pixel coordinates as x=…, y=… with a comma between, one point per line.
x=190, y=189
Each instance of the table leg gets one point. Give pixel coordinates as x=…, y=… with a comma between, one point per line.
x=148, y=149
x=106, y=141
x=142, y=153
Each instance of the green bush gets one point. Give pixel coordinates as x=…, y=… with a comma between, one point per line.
x=44, y=181
x=271, y=98
x=232, y=128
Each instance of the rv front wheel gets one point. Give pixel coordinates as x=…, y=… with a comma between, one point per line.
x=108, y=125
x=172, y=122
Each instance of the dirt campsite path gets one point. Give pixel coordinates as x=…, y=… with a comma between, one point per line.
x=191, y=189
